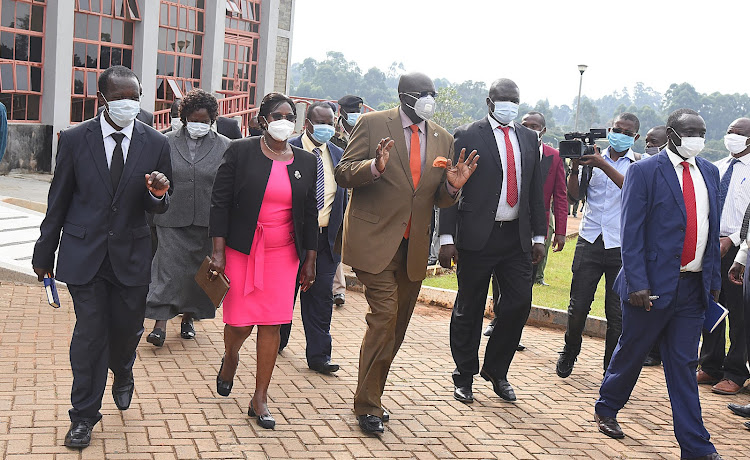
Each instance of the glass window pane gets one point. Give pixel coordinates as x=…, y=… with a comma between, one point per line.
x=22, y=78
x=133, y=4
x=6, y=77
x=32, y=107
x=22, y=47
x=191, y=19
x=9, y=11
x=78, y=82
x=188, y=85
x=84, y=5
x=89, y=109
x=79, y=53
x=197, y=69
x=200, y=22
x=119, y=11
x=37, y=18
x=36, y=79
x=107, y=7
x=116, y=56
x=35, y=49
x=198, y=46
x=80, y=25
x=104, y=57
x=160, y=64
x=91, y=84
x=128, y=33
x=93, y=31
x=159, y=88
x=106, y=29
x=183, y=18
x=95, y=6
x=117, y=31
x=7, y=43
x=173, y=16
x=169, y=64
x=163, y=15
x=92, y=56
x=199, y=4
x=76, y=110
x=127, y=58
x=162, y=39
x=19, y=107
x=23, y=16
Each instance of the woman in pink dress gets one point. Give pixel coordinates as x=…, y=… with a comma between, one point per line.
x=264, y=224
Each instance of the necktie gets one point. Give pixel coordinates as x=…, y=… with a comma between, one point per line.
x=118, y=163
x=691, y=230
x=724, y=184
x=320, y=186
x=745, y=224
x=512, y=186
x=415, y=164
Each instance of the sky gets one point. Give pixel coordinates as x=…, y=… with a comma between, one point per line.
x=538, y=44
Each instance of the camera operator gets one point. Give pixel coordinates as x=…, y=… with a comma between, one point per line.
x=598, y=247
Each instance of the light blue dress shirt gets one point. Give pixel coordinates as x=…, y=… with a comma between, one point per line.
x=601, y=215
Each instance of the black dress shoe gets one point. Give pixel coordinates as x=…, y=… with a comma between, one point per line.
x=79, y=434
x=740, y=410
x=463, y=394
x=386, y=416
x=747, y=425
x=223, y=387
x=187, y=331
x=565, y=363
x=609, y=426
x=651, y=361
x=371, y=423
x=157, y=337
x=713, y=456
x=501, y=386
x=324, y=368
x=264, y=420
x=488, y=330
x=122, y=390
x=520, y=347
x=339, y=299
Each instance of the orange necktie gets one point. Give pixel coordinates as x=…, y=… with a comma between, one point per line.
x=415, y=164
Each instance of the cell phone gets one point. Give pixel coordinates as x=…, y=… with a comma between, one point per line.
x=653, y=297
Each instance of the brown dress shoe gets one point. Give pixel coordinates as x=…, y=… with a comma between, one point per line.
x=705, y=379
x=726, y=387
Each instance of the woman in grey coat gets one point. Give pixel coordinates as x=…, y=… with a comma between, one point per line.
x=196, y=152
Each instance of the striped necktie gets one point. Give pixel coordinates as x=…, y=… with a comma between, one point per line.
x=320, y=186
x=724, y=184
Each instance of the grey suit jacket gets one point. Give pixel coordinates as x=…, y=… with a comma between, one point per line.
x=192, y=179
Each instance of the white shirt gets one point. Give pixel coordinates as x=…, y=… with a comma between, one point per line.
x=738, y=196
x=109, y=141
x=701, y=208
x=329, y=182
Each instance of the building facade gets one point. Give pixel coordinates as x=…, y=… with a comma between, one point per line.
x=53, y=51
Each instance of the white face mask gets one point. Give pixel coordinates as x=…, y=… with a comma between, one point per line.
x=176, y=124
x=280, y=129
x=424, y=107
x=123, y=112
x=691, y=146
x=197, y=130
x=735, y=143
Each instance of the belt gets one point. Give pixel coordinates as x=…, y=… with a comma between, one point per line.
x=684, y=275
x=322, y=229
x=501, y=223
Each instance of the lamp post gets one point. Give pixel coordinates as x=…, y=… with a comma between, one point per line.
x=581, y=68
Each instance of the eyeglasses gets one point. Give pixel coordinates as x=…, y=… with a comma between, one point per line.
x=417, y=95
x=623, y=131
x=276, y=116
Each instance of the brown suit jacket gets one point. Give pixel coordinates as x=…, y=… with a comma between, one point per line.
x=378, y=211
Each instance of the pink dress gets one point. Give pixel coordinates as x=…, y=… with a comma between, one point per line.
x=262, y=284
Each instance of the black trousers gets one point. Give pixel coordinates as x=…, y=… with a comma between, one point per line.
x=316, y=307
x=714, y=361
x=590, y=262
x=504, y=257
x=109, y=325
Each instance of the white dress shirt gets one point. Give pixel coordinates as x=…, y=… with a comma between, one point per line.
x=329, y=182
x=738, y=196
x=109, y=141
x=701, y=208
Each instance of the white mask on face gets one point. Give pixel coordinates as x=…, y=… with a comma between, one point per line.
x=280, y=129
x=424, y=107
x=735, y=143
x=197, y=130
x=123, y=112
x=691, y=146
x=176, y=124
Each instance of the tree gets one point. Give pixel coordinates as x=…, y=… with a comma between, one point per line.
x=451, y=110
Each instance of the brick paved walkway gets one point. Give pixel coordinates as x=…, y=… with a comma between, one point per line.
x=177, y=414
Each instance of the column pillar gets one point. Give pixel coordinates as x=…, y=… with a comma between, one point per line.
x=213, y=48
x=145, y=51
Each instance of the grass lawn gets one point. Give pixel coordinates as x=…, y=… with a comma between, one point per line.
x=557, y=275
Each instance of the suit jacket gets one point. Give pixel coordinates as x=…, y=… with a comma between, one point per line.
x=95, y=219
x=471, y=221
x=653, y=229
x=228, y=127
x=379, y=210
x=336, y=219
x=555, y=187
x=238, y=192
x=193, y=179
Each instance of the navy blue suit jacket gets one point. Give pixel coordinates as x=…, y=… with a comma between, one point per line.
x=339, y=202
x=95, y=219
x=653, y=230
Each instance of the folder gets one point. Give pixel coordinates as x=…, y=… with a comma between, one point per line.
x=715, y=314
x=51, y=289
x=217, y=289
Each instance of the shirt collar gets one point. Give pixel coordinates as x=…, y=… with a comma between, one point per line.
x=309, y=145
x=406, y=121
x=108, y=130
x=676, y=159
x=629, y=155
x=494, y=123
x=744, y=159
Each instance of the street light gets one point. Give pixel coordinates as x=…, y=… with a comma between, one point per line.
x=581, y=68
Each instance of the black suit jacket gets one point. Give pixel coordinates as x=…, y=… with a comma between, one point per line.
x=471, y=220
x=238, y=191
x=228, y=127
x=95, y=219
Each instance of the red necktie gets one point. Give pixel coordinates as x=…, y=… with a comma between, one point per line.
x=415, y=164
x=512, y=186
x=691, y=231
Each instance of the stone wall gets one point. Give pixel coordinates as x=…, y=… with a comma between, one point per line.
x=29, y=148
x=282, y=64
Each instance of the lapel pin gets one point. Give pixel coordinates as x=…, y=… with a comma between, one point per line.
x=435, y=134
x=297, y=175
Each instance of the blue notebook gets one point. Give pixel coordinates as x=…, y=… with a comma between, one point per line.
x=715, y=314
x=51, y=289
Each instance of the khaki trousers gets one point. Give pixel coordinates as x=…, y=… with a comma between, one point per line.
x=391, y=296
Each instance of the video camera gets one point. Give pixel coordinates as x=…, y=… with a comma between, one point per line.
x=576, y=145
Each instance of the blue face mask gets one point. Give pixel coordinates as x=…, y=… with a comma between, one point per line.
x=505, y=111
x=620, y=142
x=323, y=133
x=351, y=118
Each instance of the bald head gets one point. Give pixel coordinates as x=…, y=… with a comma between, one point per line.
x=415, y=82
x=656, y=136
x=740, y=126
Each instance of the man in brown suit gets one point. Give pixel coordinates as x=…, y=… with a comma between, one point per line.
x=386, y=233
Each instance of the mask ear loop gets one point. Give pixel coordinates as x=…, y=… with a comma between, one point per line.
x=415, y=98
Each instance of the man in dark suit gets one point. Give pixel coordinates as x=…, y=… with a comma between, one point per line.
x=498, y=227
x=670, y=273
x=228, y=127
x=110, y=171
x=317, y=302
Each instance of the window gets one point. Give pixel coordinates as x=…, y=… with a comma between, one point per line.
x=21, y=57
x=102, y=37
x=241, y=48
x=179, y=62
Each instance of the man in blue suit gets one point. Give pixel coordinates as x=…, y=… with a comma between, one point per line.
x=670, y=272
x=110, y=171
x=317, y=302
